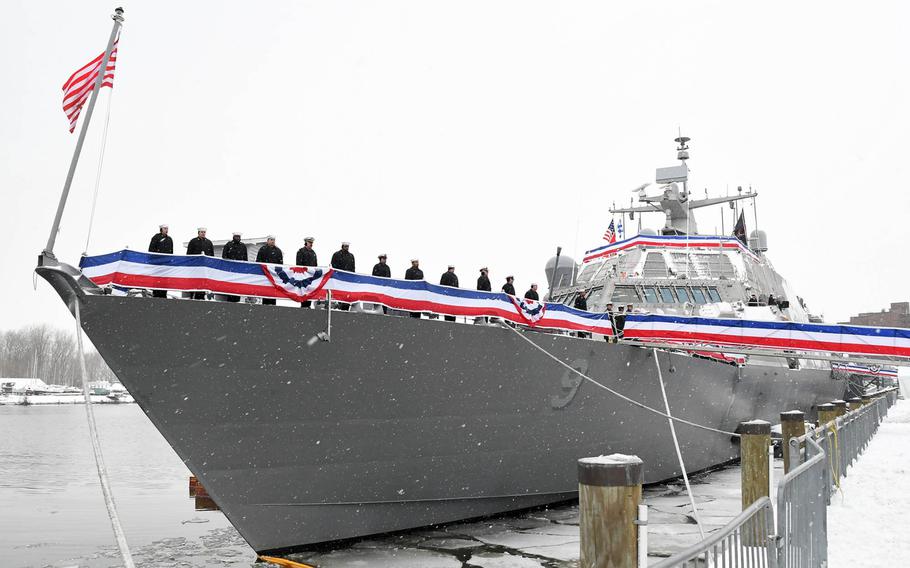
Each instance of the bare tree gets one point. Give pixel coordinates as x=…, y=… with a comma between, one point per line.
x=49, y=354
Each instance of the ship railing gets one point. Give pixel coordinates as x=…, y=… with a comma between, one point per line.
x=819, y=459
x=748, y=541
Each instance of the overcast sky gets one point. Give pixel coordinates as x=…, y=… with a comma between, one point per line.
x=477, y=133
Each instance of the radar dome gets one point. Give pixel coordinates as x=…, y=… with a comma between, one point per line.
x=758, y=241
x=562, y=275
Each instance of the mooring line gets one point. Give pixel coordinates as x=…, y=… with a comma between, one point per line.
x=620, y=395
x=682, y=466
x=96, y=448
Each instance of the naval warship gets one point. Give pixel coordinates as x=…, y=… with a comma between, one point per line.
x=402, y=422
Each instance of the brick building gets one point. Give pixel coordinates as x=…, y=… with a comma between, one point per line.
x=897, y=316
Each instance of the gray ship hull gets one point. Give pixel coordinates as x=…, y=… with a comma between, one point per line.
x=398, y=422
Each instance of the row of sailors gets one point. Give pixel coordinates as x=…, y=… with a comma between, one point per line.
x=343, y=259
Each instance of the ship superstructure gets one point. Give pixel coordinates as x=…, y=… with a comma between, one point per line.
x=680, y=271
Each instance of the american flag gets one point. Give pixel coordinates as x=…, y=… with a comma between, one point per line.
x=81, y=83
x=610, y=233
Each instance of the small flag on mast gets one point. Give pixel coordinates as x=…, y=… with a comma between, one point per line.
x=621, y=230
x=739, y=230
x=80, y=85
x=610, y=233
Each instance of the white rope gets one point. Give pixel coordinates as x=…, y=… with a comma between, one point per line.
x=91, y=218
x=620, y=395
x=96, y=447
x=682, y=466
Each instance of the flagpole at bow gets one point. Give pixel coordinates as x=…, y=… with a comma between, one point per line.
x=48, y=252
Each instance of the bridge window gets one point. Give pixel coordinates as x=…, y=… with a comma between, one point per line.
x=625, y=295
x=588, y=272
x=666, y=296
x=712, y=293
x=698, y=295
x=650, y=295
x=683, y=295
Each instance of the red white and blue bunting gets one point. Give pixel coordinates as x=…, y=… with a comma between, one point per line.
x=670, y=241
x=204, y=273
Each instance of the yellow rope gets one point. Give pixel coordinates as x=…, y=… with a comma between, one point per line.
x=284, y=562
x=835, y=455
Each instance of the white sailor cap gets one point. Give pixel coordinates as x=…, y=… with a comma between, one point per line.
x=309, y=240
x=414, y=260
x=533, y=284
x=200, y=229
x=345, y=244
x=270, y=238
x=162, y=226
x=238, y=233
x=451, y=266
x=383, y=255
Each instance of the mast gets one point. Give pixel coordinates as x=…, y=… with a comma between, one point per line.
x=48, y=252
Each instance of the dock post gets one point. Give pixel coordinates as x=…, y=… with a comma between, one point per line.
x=756, y=477
x=826, y=413
x=867, y=399
x=855, y=403
x=792, y=425
x=840, y=407
x=609, y=493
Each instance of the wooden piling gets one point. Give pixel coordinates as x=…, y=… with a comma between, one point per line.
x=753, y=451
x=855, y=403
x=792, y=425
x=840, y=407
x=756, y=477
x=826, y=413
x=609, y=492
x=867, y=399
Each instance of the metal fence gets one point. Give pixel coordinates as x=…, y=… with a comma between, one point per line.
x=819, y=459
x=746, y=542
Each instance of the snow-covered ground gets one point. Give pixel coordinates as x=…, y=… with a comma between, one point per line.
x=867, y=519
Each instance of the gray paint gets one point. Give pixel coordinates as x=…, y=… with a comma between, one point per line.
x=399, y=423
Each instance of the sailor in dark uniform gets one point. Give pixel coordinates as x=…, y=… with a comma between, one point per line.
x=306, y=256
x=508, y=287
x=483, y=281
x=581, y=303
x=532, y=293
x=382, y=269
x=451, y=280
x=343, y=260
x=234, y=249
x=271, y=254
x=200, y=245
x=161, y=243
x=414, y=273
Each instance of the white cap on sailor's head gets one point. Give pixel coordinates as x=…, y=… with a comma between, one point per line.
x=270, y=238
x=201, y=229
x=451, y=267
x=309, y=240
x=414, y=260
x=384, y=255
x=236, y=234
x=345, y=244
x=164, y=226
